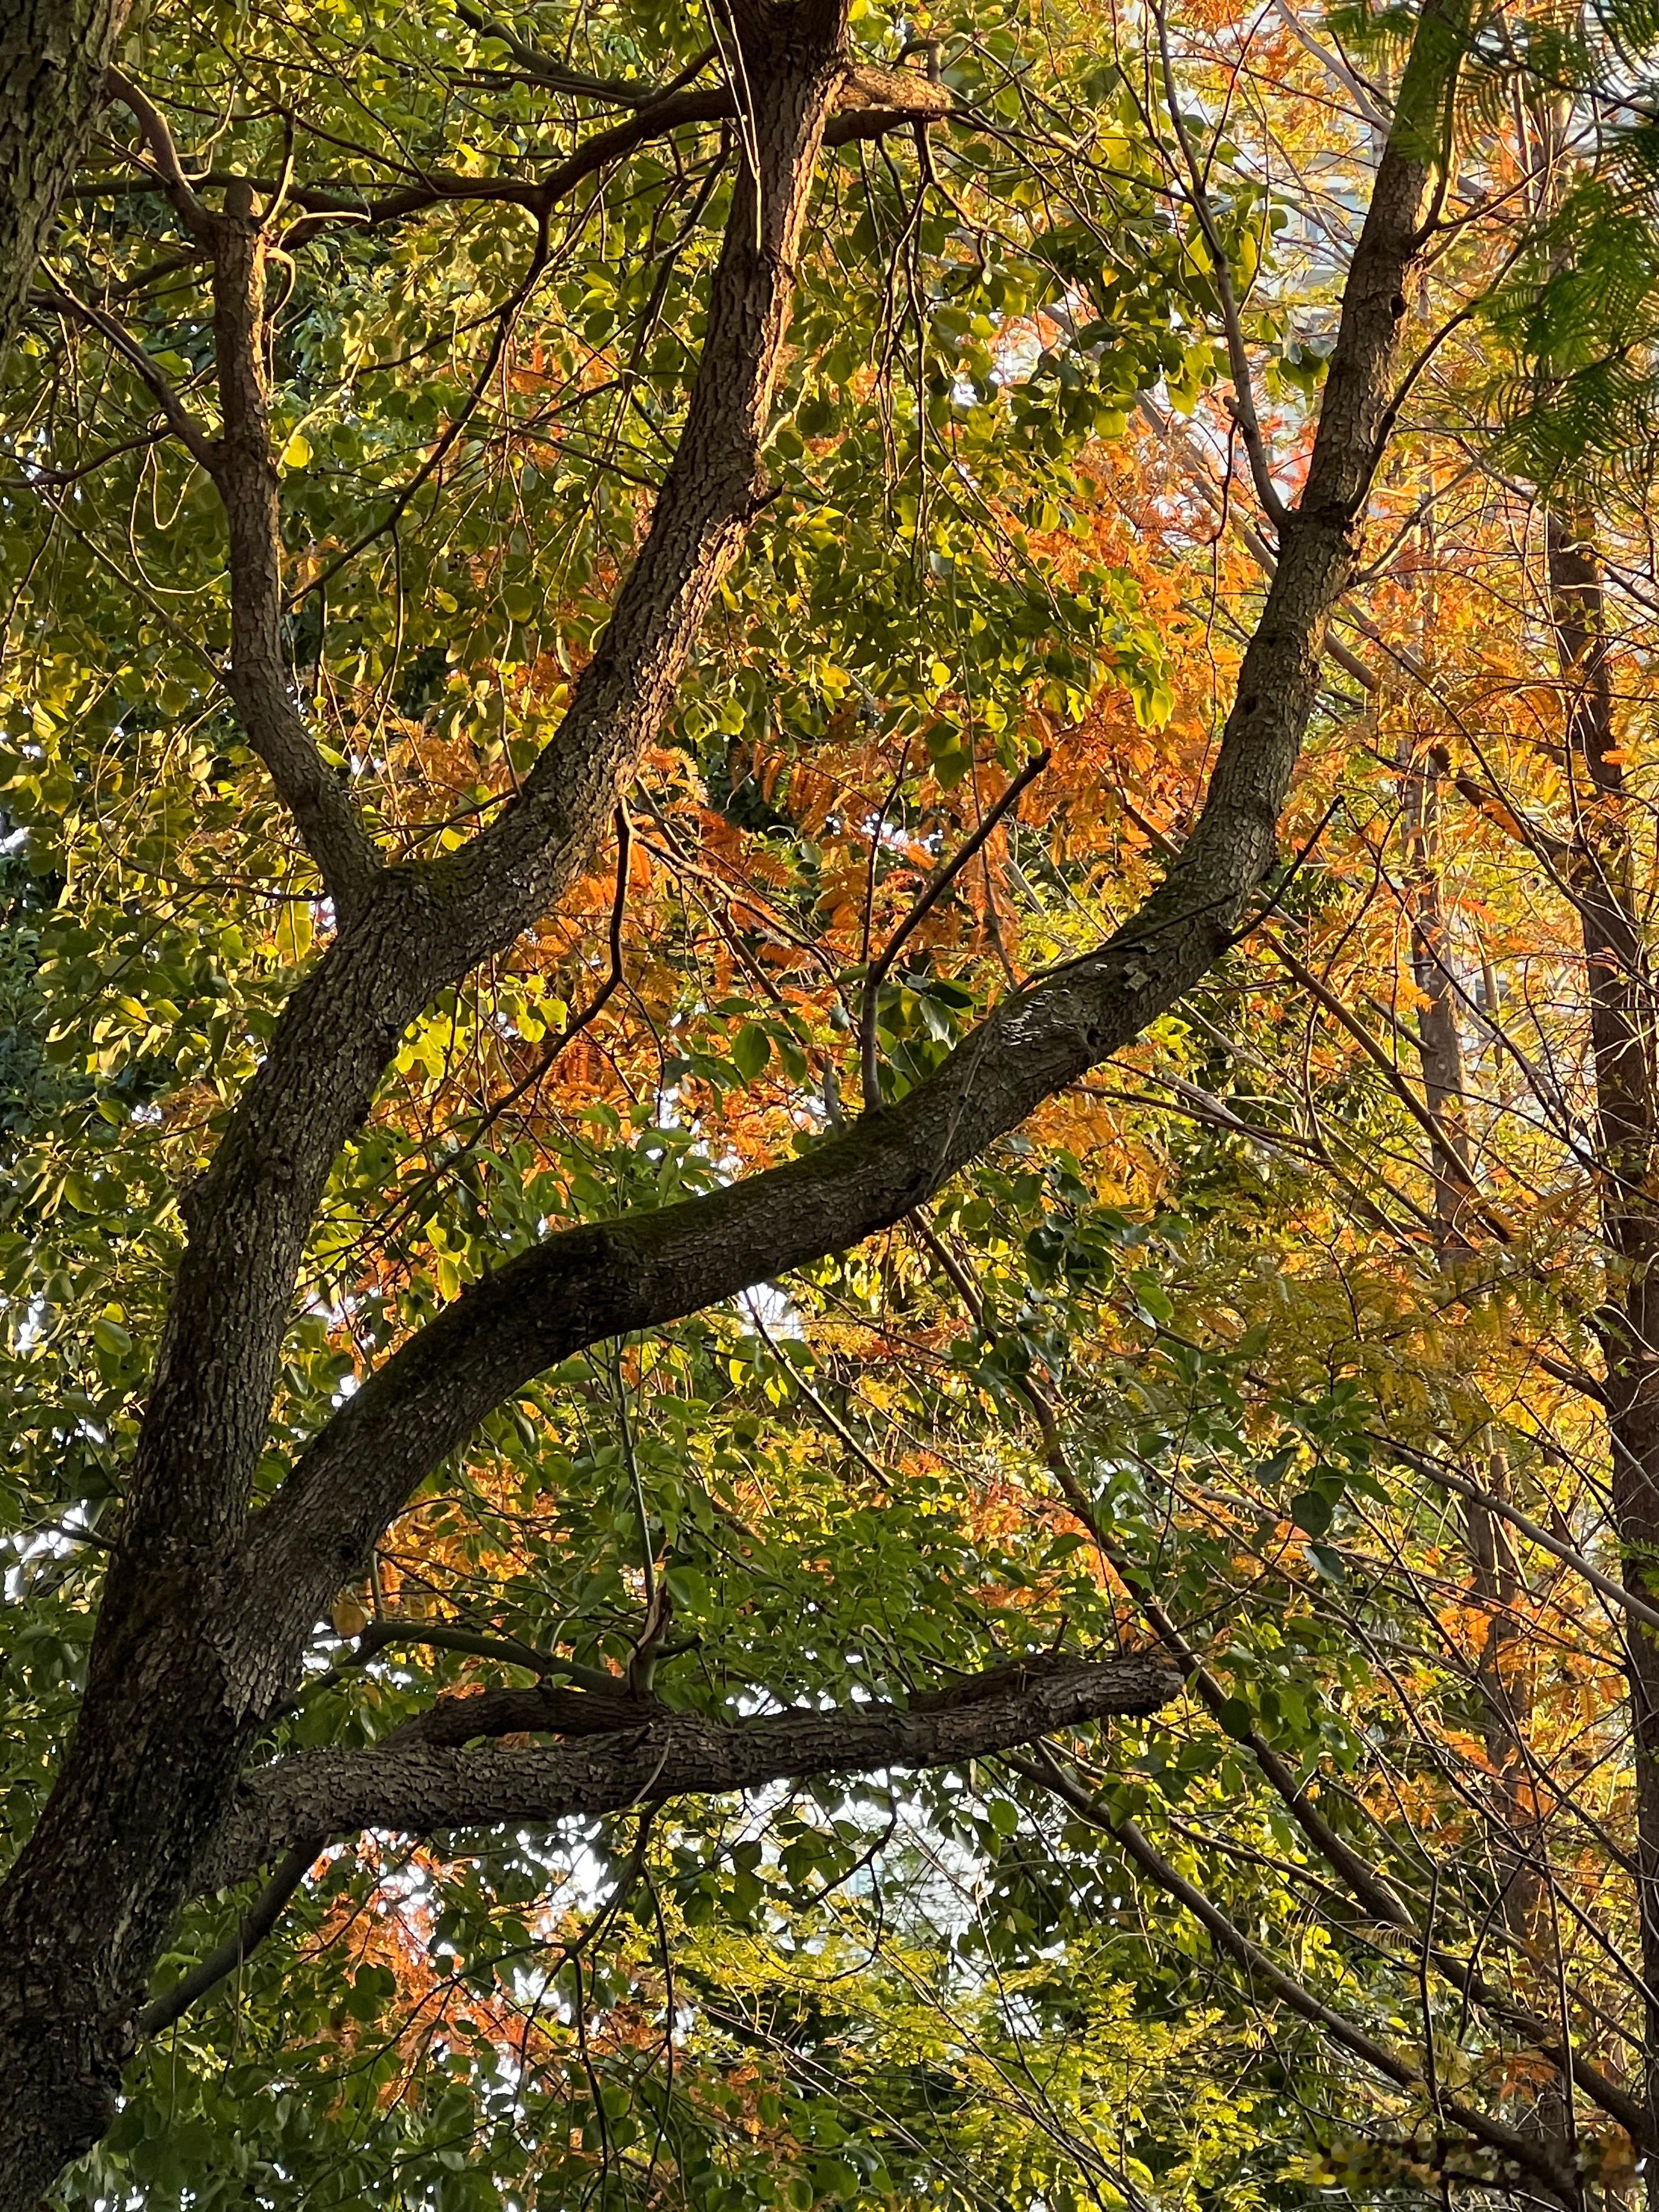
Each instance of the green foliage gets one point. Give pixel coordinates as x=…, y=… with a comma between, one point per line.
x=948, y=1990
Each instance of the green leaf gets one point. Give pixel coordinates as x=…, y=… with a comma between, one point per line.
x=751, y=1049
x=1313, y=1510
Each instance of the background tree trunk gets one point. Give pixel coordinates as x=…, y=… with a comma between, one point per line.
x=1603, y=877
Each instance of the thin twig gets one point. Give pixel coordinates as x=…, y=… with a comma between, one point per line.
x=876, y=973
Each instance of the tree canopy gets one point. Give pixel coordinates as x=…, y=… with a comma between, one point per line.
x=829, y=1105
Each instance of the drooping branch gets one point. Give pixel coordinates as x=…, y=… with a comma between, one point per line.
x=947, y=873
x=1518, y=2152
x=417, y=1785
x=561, y=76
x=1370, y=1887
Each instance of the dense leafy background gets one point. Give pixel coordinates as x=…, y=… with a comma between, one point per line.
x=1205, y=1298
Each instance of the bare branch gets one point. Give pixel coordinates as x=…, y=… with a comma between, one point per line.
x=1242, y=405
x=163, y=152
x=180, y=420
x=172, y=2004
x=1519, y=2152
x=1374, y=1893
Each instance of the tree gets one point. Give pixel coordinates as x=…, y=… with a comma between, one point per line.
x=254, y=1492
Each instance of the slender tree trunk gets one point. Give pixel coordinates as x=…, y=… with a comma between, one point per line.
x=1602, y=878
x=1439, y=1044
x=1503, y=1672
x=53, y=54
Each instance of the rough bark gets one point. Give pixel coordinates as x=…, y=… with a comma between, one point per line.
x=244, y=471
x=169, y=1706
x=416, y=1785
x=203, y=1620
x=53, y=54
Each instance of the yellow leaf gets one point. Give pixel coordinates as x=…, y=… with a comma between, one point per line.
x=348, y=1617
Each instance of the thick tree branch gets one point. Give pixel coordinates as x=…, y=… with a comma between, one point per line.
x=171, y=1702
x=872, y=103
x=200, y=1630
x=428, y=925
x=244, y=469
x=591, y=1283
x=417, y=1786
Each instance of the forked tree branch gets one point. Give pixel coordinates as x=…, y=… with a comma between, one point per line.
x=203, y=1622
x=638, y=1273
x=427, y=925
x=872, y=103
x=169, y=1706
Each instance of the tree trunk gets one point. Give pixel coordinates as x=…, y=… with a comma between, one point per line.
x=53, y=54
x=1503, y=1674
x=177, y=1688
x=1439, y=1044
x=1601, y=877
